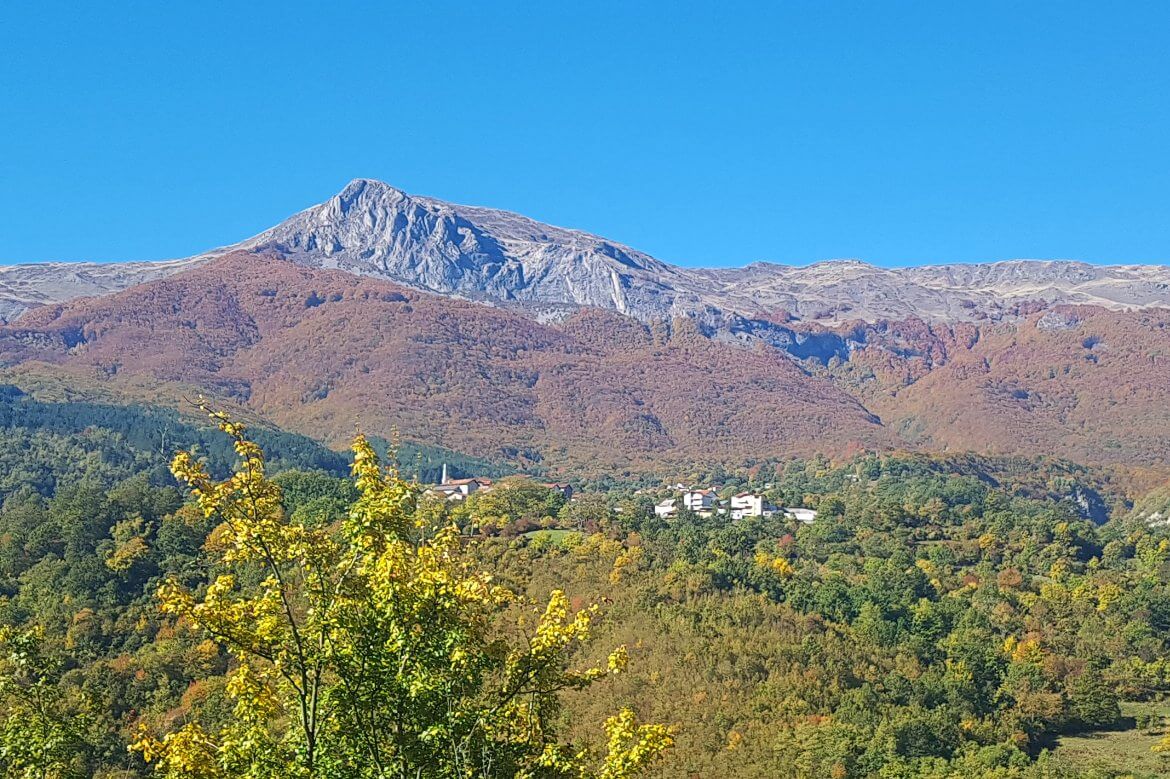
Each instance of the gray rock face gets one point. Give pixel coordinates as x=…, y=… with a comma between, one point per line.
x=482, y=253
x=503, y=258
x=372, y=228
x=24, y=286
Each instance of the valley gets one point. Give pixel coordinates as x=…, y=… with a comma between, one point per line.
x=838, y=520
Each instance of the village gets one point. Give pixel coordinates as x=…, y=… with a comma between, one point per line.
x=706, y=502
x=702, y=501
x=459, y=490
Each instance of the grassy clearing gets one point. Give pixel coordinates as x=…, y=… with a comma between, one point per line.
x=1122, y=752
x=553, y=536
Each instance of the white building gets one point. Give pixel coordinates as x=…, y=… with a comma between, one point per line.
x=699, y=501
x=665, y=509
x=801, y=515
x=747, y=504
x=459, y=489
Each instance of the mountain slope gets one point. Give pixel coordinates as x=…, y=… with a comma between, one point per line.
x=1081, y=381
x=371, y=228
x=375, y=229
x=594, y=356
x=326, y=352
x=1078, y=382
x=26, y=286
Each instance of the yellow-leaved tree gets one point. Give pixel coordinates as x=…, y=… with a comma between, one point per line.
x=365, y=648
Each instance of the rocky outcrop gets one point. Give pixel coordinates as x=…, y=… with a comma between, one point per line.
x=374, y=229
x=545, y=272
x=37, y=284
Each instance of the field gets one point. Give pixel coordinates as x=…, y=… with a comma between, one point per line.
x=552, y=536
x=1121, y=752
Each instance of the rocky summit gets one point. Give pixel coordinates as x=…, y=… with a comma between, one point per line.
x=374, y=229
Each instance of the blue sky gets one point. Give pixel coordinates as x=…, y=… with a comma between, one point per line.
x=895, y=132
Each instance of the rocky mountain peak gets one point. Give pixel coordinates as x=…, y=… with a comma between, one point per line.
x=372, y=228
x=365, y=195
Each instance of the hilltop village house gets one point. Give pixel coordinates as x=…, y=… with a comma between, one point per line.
x=703, y=502
x=459, y=489
x=564, y=488
x=665, y=509
x=801, y=515
x=706, y=503
x=747, y=504
x=700, y=501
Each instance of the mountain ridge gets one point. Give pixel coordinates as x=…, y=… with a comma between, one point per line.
x=331, y=352
x=503, y=258
x=325, y=352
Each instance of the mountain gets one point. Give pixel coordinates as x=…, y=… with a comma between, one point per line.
x=36, y=284
x=374, y=229
x=325, y=353
x=368, y=311
x=546, y=272
x=1080, y=382
x=481, y=253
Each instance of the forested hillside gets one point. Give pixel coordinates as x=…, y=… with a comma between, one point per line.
x=858, y=469
x=326, y=353
x=586, y=391
x=934, y=621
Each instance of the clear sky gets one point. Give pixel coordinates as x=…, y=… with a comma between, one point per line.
x=706, y=134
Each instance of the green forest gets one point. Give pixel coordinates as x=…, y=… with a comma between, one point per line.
x=180, y=599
